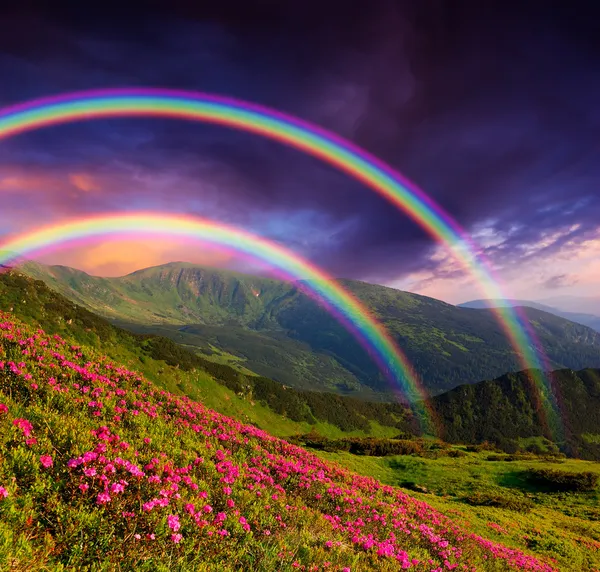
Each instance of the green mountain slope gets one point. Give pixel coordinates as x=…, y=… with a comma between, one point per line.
x=102, y=470
x=253, y=399
x=505, y=410
x=281, y=333
x=590, y=320
x=501, y=411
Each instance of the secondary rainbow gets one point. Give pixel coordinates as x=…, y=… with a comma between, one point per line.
x=343, y=305
x=354, y=161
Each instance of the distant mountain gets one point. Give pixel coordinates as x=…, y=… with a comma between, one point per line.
x=577, y=304
x=590, y=320
x=278, y=332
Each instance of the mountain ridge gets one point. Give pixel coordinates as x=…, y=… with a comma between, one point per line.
x=585, y=319
x=279, y=332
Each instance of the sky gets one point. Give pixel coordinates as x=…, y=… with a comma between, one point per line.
x=490, y=107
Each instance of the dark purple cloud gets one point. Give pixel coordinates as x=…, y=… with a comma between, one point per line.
x=490, y=107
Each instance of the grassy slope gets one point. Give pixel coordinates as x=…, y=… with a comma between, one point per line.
x=565, y=526
x=286, y=336
x=185, y=488
x=500, y=411
x=34, y=302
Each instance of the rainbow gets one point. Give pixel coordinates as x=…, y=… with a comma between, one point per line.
x=345, y=307
x=357, y=163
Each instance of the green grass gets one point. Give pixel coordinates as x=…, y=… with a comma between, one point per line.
x=564, y=525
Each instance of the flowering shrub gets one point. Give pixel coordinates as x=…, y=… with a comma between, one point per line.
x=147, y=480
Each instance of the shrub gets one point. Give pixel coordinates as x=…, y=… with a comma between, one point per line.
x=485, y=446
x=562, y=480
x=455, y=453
x=498, y=501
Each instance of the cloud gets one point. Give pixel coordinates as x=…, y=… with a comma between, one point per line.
x=504, y=148
x=559, y=281
x=117, y=256
x=84, y=182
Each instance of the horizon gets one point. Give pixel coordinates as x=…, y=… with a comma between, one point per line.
x=257, y=274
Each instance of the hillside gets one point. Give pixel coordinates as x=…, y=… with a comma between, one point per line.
x=504, y=411
x=101, y=469
x=278, y=332
x=498, y=411
x=590, y=320
x=254, y=399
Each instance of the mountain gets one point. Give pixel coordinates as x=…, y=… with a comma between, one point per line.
x=590, y=320
x=278, y=332
x=508, y=408
x=254, y=399
x=577, y=304
x=500, y=411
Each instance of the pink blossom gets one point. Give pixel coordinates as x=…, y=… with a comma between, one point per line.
x=25, y=426
x=46, y=461
x=102, y=498
x=173, y=522
x=176, y=538
x=3, y=492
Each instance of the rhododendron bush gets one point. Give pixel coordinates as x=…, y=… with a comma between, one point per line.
x=100, y=468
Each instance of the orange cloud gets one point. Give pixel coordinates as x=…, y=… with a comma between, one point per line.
x=18, y=180
x=84, y=182
x=117, y=257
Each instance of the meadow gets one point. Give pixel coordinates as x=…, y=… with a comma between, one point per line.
x=100, y=469
x=492, y=497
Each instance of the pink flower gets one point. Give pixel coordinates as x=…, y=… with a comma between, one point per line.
x=207, y=508
x=84, y=487
x=24, y=425
x=3, y=493
x=102, y=498
x=173, y=522
x=117, y=488
x=176, y=538
x=46, y=461
x=3, y=408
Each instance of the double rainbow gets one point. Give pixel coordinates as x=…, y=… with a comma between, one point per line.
x=357, y=163
x=340, y=303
